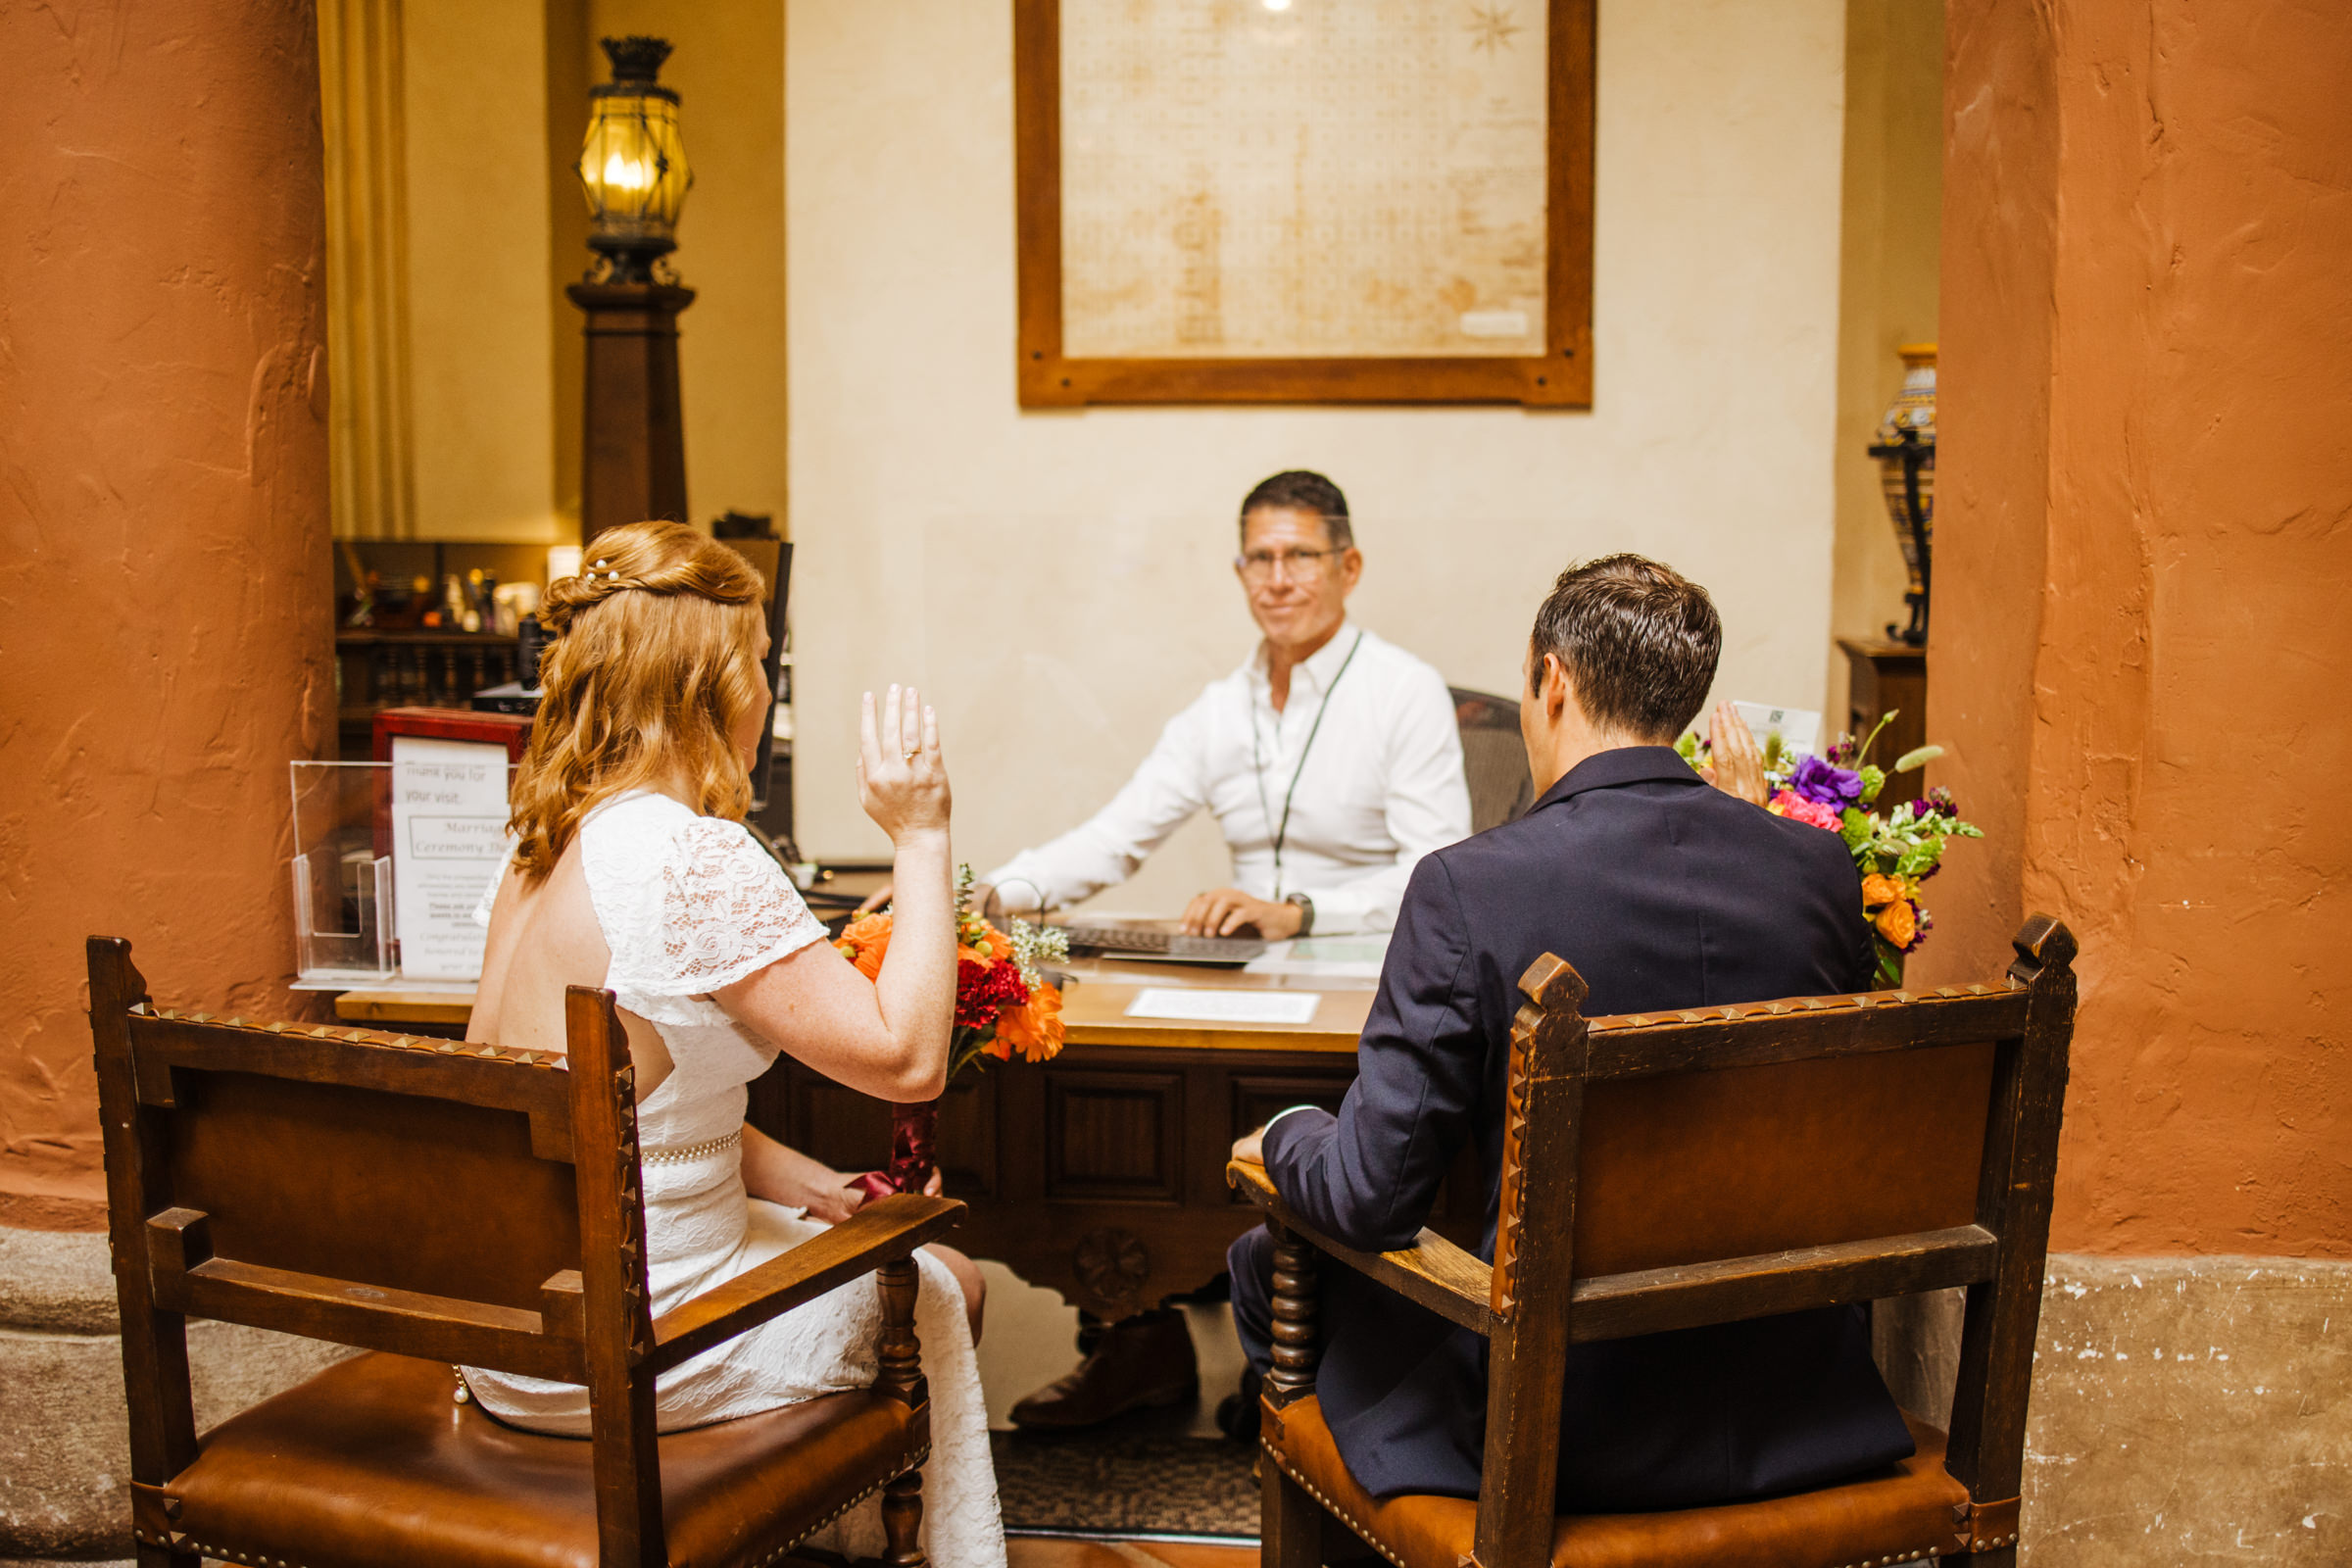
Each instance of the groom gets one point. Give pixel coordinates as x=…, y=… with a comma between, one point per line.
x=1664, y=893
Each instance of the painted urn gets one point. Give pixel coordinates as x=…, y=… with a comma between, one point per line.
x=1904, y=445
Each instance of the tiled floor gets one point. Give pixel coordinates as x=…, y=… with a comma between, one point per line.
x=1117, y=1482
x=1030, y=1552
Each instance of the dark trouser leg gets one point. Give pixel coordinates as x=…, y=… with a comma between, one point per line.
x=1250, y=1260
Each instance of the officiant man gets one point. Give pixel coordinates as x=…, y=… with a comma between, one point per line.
x=1330, y=758
x=1332, y=763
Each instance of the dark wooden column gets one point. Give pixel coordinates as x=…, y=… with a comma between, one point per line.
x=633, y=457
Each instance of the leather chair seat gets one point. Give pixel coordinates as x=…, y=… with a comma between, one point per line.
x=374, y=1464
x=1904, y=1513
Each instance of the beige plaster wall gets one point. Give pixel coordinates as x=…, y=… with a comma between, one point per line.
x=728, y=68
x=1888, y=268
x=480, y=311
x=1059, y=581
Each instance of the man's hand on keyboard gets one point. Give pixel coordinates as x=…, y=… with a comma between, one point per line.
x=982, y=893
x=1229, y=912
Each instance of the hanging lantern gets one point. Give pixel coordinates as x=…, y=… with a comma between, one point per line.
x=633, y=163
x=1904, y=445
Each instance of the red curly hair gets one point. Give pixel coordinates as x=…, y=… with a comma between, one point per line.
x=653, y=661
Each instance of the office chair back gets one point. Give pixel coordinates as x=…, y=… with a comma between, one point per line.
x=1494, y=757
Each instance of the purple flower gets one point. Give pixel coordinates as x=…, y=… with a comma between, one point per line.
x=1938, y=802
x=1834, y=787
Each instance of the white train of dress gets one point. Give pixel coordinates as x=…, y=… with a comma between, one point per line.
x=689, y=905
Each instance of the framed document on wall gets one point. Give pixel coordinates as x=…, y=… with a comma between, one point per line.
x=1304, y=201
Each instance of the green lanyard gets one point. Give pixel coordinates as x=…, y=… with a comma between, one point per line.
x=1257, y=766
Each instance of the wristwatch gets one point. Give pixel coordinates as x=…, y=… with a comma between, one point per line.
x=1306, y=912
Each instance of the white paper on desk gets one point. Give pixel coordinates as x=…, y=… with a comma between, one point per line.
x=1204, y=1005
x=1351, y=958
x=448, y=825
x=1799, y=728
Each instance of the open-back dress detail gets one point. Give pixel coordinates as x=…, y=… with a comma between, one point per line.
x=689, y=905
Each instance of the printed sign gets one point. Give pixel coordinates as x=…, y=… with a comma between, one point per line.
x=1799, y=728
x=449, y=824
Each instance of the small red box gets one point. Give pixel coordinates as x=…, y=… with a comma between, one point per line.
x=511, y=730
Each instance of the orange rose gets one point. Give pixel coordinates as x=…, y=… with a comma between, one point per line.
x=978, y=933
x=1035, y=1029
x=1899, y=923
x=864, y=942
x=1878, y=889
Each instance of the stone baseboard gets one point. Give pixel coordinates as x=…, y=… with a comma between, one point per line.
x=2184, y=1409
x=64, y=1434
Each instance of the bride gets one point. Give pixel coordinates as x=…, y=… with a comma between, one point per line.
x=629, y=866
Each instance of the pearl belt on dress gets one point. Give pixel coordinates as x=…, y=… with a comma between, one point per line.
x=687, y=1153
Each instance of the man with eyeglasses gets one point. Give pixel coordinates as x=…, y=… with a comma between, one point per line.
x=1331, y=759
x=1332, y=763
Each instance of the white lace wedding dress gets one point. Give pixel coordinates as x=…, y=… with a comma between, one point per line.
x=689, y=905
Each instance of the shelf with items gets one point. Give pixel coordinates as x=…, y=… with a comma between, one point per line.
x=379, y=670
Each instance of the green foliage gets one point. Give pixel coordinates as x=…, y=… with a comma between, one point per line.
x=1862, y=751
x=1898, y=843
x=1874, y=779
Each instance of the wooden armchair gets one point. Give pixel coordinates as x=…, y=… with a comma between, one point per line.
x=1666, y=1171
x=436, y=1202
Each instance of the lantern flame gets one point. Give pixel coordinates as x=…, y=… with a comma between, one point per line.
x=629, y=174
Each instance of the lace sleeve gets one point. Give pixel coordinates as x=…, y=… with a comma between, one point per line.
x=727, y=912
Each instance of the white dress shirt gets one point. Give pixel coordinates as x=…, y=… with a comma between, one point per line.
x=1379, y=786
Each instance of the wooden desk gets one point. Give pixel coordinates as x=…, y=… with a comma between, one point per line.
x=1100, y=1174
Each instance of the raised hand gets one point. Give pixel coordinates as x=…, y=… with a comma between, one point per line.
x=1737, y=766
x=901, y=779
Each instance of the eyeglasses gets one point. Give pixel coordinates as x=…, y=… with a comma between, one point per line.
x=1299, y=566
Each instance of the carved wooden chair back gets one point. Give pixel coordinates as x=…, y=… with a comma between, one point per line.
x=426, y=1197
x=1669, y=1170
x=450, y=1202
x=1716, y=1164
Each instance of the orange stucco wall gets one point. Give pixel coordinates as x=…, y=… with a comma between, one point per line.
x=2144, y=544
x=165, y=646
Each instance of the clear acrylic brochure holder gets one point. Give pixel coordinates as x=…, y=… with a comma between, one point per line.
x=342, y=869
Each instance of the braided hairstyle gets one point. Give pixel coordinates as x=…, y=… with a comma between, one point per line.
x=653, y=663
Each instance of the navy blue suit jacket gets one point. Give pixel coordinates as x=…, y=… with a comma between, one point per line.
x=1664, y=893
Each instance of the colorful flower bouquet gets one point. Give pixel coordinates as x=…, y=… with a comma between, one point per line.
x=1003, y=1004
x=1896, y=848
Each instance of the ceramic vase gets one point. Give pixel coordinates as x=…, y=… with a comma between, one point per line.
x=1904, y=445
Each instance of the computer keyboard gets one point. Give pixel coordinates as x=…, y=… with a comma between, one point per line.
x=1134, y=942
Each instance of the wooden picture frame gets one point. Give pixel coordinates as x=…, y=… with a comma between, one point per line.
x=1561, y=378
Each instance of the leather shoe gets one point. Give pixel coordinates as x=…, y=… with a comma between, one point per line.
x=1141, y=1362
x=1238, y=1413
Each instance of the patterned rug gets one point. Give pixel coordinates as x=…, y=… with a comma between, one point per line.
x=1120, y=1485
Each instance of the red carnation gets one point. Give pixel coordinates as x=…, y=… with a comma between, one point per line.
x=985, y=990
